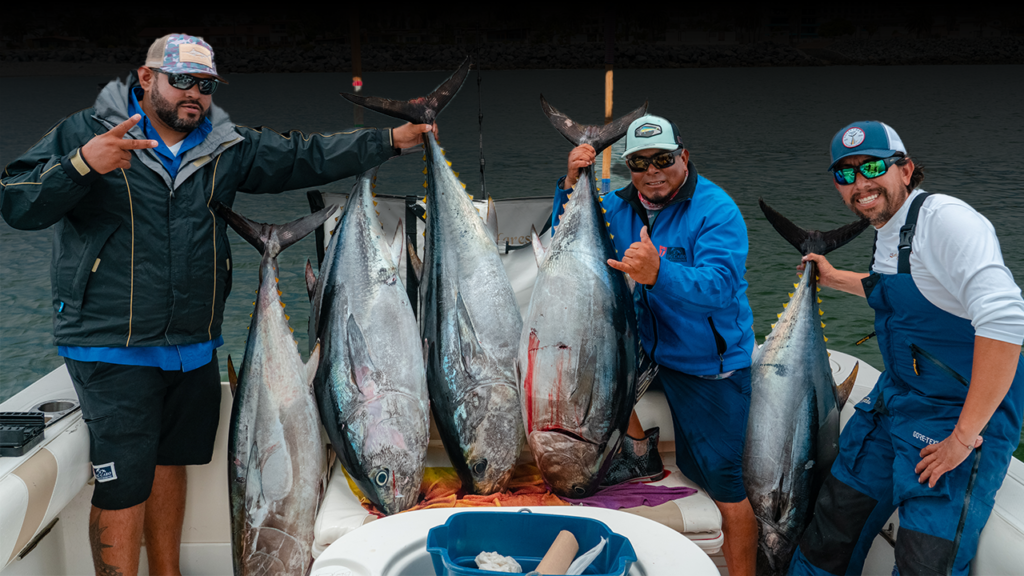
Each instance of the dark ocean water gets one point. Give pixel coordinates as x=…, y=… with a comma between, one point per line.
x=756, y=132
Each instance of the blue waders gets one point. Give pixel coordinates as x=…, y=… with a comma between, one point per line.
x=928, y=356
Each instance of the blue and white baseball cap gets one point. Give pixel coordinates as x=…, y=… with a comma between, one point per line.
x=652, y=132
x=868, y=138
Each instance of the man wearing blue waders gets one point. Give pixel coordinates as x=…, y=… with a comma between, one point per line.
x=141, y=270
x=935, y=436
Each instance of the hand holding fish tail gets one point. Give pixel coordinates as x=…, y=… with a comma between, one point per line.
x=937, y=459
x=580, y=157
x=408, y=135
x=830, y=277
x=641, y=260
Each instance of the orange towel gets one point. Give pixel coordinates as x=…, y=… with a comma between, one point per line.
x=441, y=488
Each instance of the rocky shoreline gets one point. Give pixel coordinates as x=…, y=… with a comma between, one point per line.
x=509, y=56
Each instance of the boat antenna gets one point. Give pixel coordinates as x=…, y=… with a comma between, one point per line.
x=480, y=118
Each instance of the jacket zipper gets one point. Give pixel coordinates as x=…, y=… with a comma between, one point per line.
x=720, y=344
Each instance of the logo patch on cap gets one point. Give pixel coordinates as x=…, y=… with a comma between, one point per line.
x=853, y=137
x=195, y=53
x=104, y=472
x=647, y=131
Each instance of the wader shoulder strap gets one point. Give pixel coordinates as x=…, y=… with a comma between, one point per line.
x=907, y=234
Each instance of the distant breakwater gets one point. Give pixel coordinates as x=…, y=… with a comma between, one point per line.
x=335, y=57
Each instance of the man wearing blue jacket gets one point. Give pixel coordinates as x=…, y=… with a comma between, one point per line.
x=684, y=242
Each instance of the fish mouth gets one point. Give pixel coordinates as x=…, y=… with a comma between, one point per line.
x=568, y=462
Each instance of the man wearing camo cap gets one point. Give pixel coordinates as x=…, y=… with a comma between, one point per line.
x=141, y=271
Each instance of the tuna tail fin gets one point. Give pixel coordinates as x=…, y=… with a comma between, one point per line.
x=423, y=110
x=600, y=137
x=844, y=389
x=808, y=241
x=259, y=235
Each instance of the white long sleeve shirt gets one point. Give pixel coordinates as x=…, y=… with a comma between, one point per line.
x=957, y=265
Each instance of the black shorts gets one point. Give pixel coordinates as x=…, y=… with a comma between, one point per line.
x=140, y=417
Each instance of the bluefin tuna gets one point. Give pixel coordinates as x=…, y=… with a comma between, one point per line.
x=577, y=364
x=793, y=426
x=371, y=386
x=469, y=318
x=277, y=466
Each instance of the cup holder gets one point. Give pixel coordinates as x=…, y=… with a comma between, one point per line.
x=57, y=406
x=56, y=409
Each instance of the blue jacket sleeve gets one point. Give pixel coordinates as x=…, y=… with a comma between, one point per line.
x=719, y=261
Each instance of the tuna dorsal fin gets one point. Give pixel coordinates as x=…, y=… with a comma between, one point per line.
x=259, y=234
x=423, y=110
x=310, y=279
x=232, y=376
x=491, y=220
x=539, y=252
x=312, y=364
x=600, y=137
x=397, y=245
x=358, y=356
x=808, y=241
x=844, y=389
x=417, y=264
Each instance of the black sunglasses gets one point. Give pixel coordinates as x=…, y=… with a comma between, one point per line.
x=662, y=160
x=207, y=86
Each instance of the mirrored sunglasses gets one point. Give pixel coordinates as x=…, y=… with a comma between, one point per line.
x=662, y=160
x=870, y=169
x=207, y=86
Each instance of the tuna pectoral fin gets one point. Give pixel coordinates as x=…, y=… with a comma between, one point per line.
x=232, y=376
x=469, y=344
x=260, y=234
x=418, y=110
x=313, y=364
x=358, y=356
x=811, y=241
x=310, y=280
x=844, y=389
x=538, y=248
x=600, y=137
x=647, y=370
x=397, y=245
x=491, y=219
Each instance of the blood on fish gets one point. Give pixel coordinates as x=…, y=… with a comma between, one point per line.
x=528, y=380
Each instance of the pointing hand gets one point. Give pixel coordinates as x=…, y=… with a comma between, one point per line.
x=641, y=260
x=112, y=150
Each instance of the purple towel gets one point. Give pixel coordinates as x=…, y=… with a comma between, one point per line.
x=631, y=495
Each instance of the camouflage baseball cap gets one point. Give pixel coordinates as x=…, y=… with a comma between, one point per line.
x=182, y=54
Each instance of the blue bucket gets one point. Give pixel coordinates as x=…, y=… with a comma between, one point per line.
x=524, y=536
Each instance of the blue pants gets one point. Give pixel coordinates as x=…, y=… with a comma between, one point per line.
x=873, y=476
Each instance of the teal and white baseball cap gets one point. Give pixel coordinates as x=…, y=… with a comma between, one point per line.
x=652, y=132
x=866, y=138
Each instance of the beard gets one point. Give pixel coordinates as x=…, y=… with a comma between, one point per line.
x=886, y=209
x=168, y=113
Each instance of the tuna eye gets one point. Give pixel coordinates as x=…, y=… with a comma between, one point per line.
x=381, y=478
x=579, y=490
x=480, y=467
